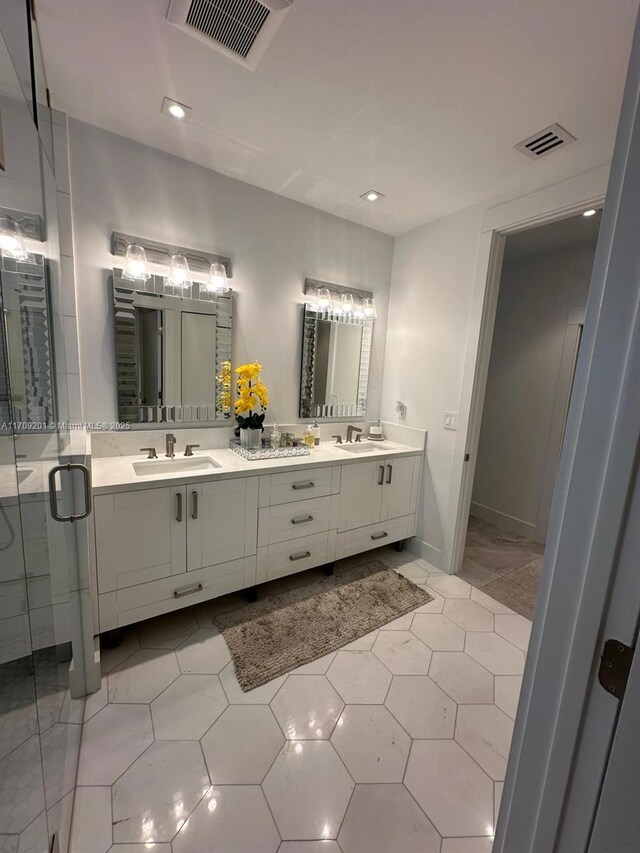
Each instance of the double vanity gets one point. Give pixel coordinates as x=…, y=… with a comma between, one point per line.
x=172, y=532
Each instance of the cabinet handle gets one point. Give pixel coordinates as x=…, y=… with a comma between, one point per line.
x=389, y=473
x=297, y=486
x=302, y=520
x=381, y=475
x=382, y=535
x=179, y=509
x=302, y=556
x=194, y=513
x=189, y=590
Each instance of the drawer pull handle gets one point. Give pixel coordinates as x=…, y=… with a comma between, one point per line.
x=194, y=512
x=305, y=519
x=189, y=590
x=297, y=486
x=381, y=475
x=179, y=510
x=382, y=535
x=389, y=473
x=302, y=556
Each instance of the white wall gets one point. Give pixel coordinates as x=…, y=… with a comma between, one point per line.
x=120, y=185
x=438, y=290
x=537, y=294
x=432, y=282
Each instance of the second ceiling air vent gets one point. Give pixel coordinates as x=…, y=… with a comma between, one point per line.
x=545, y=141
x=240, y=29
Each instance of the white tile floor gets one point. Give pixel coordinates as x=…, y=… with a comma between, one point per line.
x=396, y=744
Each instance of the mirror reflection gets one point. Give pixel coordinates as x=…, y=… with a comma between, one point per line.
x=335, y=364
x=173, y=347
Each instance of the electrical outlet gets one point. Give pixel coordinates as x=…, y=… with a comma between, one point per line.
x=451, y=420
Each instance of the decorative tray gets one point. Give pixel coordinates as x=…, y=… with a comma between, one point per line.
x=268, y=452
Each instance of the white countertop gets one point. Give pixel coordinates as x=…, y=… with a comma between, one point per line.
x=116, y=473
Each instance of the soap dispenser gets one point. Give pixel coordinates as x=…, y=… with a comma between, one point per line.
x=308, y=437
x=375, y=432
x=316, y=433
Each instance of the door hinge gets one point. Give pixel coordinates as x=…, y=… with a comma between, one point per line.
x=615, y=665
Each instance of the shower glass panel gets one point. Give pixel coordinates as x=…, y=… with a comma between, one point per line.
x=45, y=630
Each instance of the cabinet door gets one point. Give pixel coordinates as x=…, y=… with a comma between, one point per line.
x=140, y=536
x=360, y=494
x=397, y=491
x=222, y=521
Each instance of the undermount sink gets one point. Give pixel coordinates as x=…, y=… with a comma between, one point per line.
x=175, y=466
x=362, y=448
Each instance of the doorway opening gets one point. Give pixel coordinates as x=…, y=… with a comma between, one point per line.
x=544, y=285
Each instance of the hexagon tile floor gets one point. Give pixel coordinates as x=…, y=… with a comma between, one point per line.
x=395, y=744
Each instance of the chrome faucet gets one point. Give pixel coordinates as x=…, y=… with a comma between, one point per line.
x=151, y=451
x=171, y=445
x=188, y=451
x=350, y=432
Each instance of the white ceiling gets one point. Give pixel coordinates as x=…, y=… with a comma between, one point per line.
x=420, y=99
x=564, y=234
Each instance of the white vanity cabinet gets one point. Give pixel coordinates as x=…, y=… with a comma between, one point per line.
x=166, y=545
x=377, y=503
x=163, y=548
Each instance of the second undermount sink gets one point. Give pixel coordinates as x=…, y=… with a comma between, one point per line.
x=177, y=465
x=359, y=447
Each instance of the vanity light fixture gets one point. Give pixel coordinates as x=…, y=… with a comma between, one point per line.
x=176, y=110
x=347, y=304
x=372, y=195
x=135, y=264
x=12, y=243
x=590, y=212
x=217, y=280
x=179, y=272
x=323, y=298
x=369, y=308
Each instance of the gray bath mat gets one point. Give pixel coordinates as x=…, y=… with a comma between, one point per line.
x=284, y=631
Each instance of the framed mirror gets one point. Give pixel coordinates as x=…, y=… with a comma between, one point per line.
x=336, y=353
x=27, y=373
x=173, y=352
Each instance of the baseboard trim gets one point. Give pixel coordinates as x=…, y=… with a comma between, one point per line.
x=508, y=523
x=426, y=552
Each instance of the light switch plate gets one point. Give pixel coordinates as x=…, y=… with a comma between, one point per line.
x=451, y=420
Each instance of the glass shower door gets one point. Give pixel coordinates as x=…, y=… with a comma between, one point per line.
x=46, y=637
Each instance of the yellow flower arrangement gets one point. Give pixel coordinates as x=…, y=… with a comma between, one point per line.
x=252, y=393
x=224, y=388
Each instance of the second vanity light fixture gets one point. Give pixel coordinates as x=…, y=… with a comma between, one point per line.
x=15, y=226
x=185, y=266
x=340, y=301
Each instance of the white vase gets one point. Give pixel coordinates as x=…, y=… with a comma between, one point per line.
x=250, y=438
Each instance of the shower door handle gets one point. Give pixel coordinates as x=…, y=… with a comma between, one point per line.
x=53, y=496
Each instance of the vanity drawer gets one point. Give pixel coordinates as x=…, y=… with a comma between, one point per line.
x=373, y=536
x=287, y=558
x=283, y=522
x=125, y=606
x=299, y=485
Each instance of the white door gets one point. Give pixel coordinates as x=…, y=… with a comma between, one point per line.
x=222, y=521
x=397, y=490
x=140, y=536
x=361, y=494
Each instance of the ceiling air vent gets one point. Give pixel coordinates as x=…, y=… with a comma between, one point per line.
x=545, y=141
x=240, y=29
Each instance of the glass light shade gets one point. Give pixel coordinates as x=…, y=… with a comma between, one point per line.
x=217, y=281
x=369, y=308
x=179, y=272
x=11, y=239
x=135, y=264
x=346, y=303
x=323, y=298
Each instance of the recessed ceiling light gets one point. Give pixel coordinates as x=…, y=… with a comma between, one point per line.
x=372, y=195
x=176, y=110
x=590, y=212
